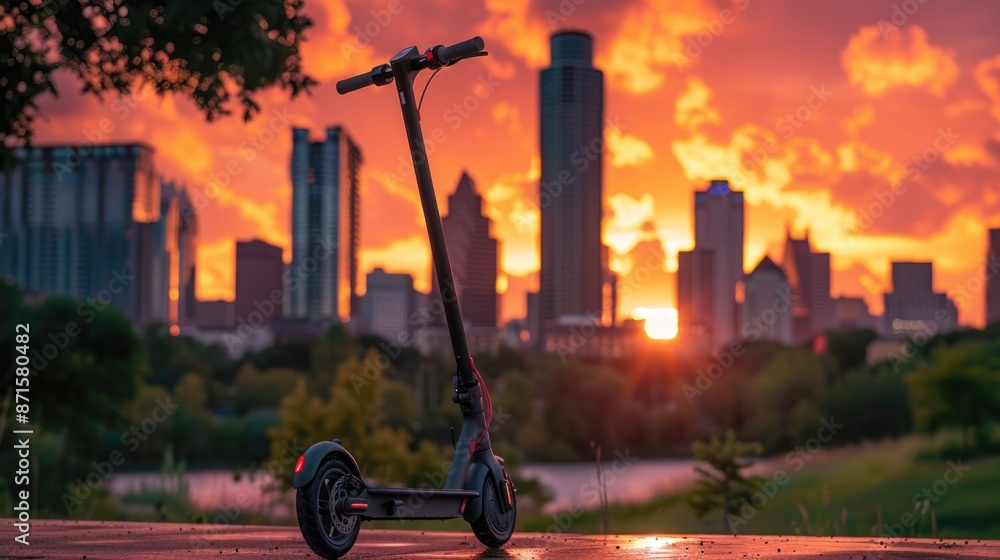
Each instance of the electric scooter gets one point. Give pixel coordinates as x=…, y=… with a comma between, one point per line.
x=332, y=497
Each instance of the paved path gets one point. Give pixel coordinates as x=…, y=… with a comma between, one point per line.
x=107, y=540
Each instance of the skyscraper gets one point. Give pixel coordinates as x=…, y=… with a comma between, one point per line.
x=474, y=256
x=325, y=225
x=718, y=227
x=766, y=312
x=913, y=306
x=993, y=277
x=259, y=284
x=808, y=274
x=182, y=243
x=696, y=299
x=388, y=302
x=570, y=190
x=72, y=221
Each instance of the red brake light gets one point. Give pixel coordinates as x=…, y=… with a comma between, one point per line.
x=300, y=463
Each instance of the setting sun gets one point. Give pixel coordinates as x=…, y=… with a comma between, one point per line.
x=661, y=322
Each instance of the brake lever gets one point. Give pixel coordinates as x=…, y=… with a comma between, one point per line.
x=473, y=55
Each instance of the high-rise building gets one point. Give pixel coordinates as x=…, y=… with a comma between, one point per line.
x=808, y=274
x=72, y=223
x=993, y=277
x=259, y=282
x=187, y=256
x=475, y=256
x=151, y=247
x=325, y=225
x=386, y=307
x=570, y=190
x=718, y=226
x=216, y=314
x=696, y=300
x=913, y=306
x=851, y=313
x=766, y=312
x=182, y=247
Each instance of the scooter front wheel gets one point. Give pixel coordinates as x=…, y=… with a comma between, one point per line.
x=494, y=526
x=327, y=531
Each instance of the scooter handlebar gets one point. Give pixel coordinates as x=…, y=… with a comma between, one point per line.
x=448, y=54
x=379, y=76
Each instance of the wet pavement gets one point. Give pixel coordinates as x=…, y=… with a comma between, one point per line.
x=100, y=540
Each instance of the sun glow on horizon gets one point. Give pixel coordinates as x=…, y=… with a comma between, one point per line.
x=661, y=322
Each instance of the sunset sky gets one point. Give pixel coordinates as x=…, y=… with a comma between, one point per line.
x=827, y=106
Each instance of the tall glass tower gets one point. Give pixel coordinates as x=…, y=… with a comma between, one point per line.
x=84, y=223
x=325, y=225
x=570, y=192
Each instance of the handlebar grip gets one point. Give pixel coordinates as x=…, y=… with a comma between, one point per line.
x=348, y=85
x=447, y=54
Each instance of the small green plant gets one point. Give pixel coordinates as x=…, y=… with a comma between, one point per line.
x=724, y=486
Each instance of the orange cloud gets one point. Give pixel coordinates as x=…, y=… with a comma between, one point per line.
x=879, y=61
x=524, y=36
x=987, y=74
x=651, y=39
x=626, y=150
x=629, y=216
x=216, y=277
x=692, y=108
x=331, y=50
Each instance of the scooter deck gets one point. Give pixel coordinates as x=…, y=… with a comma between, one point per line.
x=414, y=503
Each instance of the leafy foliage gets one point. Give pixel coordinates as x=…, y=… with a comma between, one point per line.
x=724, y=487
x=959, y=387
x=204, y=51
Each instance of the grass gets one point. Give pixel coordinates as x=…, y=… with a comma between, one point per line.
x=856, y=492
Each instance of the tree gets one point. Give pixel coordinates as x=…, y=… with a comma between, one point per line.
x=354, y=412
x=959, y=387
x=201, y=50
x=725, y=487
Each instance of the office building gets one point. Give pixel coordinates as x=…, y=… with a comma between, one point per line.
x=913, y=306
x=72, y=223
x=387, y=305
x=570, y=189
x=708, y=275
x=474, y=254
x=326, y=178
x=259, y=282
x=993, y=277
x=808, y=274
x=766, y=309
x=851, y=313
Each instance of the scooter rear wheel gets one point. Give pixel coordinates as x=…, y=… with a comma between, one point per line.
x=494, y=527
x=329, y=533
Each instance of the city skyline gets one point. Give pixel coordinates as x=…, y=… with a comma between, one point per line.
x=841, y=159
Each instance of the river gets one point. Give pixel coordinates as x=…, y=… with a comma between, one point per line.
x=627, y=480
